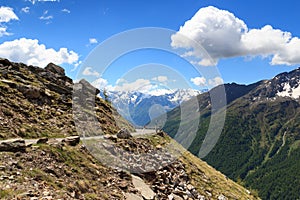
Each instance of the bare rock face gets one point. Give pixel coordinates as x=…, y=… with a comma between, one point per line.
x=55, y=69
x=124, y=134
x=12, y=145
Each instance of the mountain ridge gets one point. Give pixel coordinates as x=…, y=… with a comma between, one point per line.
x=136, y=106
x=261, y=132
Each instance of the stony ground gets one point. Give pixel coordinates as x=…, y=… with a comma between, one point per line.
x=65, y=169
x=59, y=171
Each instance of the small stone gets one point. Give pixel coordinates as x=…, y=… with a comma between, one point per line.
x=43, y=140
x=190, y=187
x=222, y=197
x=46, y=193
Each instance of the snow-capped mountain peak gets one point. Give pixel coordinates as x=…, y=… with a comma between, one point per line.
x=135, y=105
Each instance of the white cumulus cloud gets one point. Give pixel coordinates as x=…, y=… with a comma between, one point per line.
x=215, y=81
x=88, y=71
x=141, y=85
x=6, y=15
x=100, y=83
x=30, y=52
x=161, y=79
x=199, y=81
x=223, y=35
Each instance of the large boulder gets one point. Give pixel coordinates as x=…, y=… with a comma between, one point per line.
x=5, y=62
x=13, y=145
x=55, y=69
x=124, y=134
x=88, y=88
x=142, y=187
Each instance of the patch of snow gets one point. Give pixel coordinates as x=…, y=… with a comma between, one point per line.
x=288, y=91
x=160, y=92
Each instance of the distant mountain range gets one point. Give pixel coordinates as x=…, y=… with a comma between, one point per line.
x=139, y=107
x=259, y=145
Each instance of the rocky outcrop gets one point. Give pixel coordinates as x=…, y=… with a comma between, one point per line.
x=37, y=102
x=55, y=69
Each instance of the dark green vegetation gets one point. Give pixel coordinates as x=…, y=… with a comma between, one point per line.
x=259, y=144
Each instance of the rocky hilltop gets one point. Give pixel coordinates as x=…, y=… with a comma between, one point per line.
x=37, y=103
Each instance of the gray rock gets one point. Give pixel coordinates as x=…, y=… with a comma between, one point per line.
x=142, y=187
x=42, y=140
x=88, y=88
x=5, y=62
x=55, y=69
x=30, y=91
x=131, y=196
x=124, y=134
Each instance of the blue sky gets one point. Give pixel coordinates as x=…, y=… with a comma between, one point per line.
x=66, y=31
